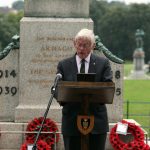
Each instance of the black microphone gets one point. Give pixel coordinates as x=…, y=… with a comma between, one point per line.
x=58, y=77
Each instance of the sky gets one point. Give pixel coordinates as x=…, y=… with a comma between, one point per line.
x=9, y=2
x=6, y=2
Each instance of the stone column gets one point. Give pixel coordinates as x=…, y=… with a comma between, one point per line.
x=46, y=34
x=57, y=8
x=9, y=77
x=138, y=60
x=115, y=110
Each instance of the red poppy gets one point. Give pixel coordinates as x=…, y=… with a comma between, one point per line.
x=41, y=145
x=48, y=126
x=136, y=144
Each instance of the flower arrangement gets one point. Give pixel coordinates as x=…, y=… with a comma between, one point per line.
x=136, y=144
x=41, y=145
x=44, y=138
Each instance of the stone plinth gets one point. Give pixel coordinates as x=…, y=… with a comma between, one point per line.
x=24, y=113
x=9, y=138
x=9, y=86
x=138, y=60
x=141, y=75
x=43, y=42
x=13, y=136
x=57, y=8
x=115, y=110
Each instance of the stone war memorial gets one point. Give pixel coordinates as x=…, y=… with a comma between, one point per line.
x=27, y=73
x=138, y=57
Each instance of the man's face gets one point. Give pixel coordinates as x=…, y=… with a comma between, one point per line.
x=83, y=47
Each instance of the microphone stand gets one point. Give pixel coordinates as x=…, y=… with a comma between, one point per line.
x=53, y=90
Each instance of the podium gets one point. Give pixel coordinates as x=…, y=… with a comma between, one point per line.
x=85, y=93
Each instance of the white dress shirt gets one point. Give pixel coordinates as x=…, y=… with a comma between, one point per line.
x=87, y=62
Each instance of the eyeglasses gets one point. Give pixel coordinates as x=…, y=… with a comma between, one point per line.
x=83, y=45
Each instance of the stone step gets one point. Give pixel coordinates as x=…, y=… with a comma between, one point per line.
x=13, y=136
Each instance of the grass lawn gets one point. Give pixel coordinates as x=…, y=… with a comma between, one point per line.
x=127, y=69
x=137, y=92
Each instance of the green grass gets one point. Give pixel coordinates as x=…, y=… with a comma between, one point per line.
x=127, y=69
x=137, y=91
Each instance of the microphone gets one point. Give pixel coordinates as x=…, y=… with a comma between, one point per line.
x=58, y=77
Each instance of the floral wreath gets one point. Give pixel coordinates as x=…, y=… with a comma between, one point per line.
x=44, y=138
x=41, y=145
x=136, y=144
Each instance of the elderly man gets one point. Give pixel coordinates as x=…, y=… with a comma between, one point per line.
x=84, y=61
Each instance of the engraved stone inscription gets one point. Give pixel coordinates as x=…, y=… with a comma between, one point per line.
x=9, y=86
x=44, y=63
x=117, y=74
x=8, y=90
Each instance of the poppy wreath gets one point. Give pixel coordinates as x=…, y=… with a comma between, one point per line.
x=41, y=145
x=136, y=144
x=48, y=126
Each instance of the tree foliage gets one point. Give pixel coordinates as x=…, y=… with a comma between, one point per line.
x=18, y=5
x=116, y=24
x=9, y=26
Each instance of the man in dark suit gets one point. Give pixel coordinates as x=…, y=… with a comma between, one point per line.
x=86, y=62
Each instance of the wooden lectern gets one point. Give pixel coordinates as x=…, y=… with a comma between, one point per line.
x=86, y=93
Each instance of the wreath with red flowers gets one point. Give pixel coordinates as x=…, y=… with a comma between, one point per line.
x=41, y=145
x=48, y=126
x=136, y=144
x=44, y=138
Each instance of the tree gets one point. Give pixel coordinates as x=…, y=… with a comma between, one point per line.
x=97, y=10
x=18, y=5
x=9, y=26
x=116, y=24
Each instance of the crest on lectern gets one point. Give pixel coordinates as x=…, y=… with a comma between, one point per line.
x=85, y=124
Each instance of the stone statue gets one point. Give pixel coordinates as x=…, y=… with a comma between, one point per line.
x=138, y=55
x=13, y=45
x=106, y=52
x=139, y=38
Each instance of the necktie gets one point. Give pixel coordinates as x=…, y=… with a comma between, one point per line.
x=82, y=69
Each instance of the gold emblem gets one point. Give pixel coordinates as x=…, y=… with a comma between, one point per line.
x=85, y=124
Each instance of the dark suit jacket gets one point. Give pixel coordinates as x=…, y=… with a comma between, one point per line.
x=68, y=69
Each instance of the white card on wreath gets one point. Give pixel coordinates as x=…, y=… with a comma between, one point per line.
x=122, y=128
x=29, y=147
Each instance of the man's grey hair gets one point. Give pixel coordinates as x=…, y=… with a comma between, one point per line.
x=86, y=33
